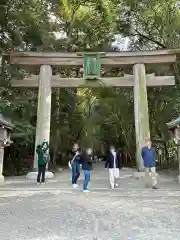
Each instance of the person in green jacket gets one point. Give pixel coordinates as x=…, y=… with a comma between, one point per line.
x=43, y=158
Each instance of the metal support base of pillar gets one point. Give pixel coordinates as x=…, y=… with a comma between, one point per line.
x=33, y=175
x=1, y=180
x=141, y=175
x=179, y=179
x=138, y=175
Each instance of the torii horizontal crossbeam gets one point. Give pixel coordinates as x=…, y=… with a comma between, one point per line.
x=110, y=58
x=126, y=81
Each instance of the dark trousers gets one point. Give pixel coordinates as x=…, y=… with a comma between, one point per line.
x=87, y=176
x=75, y=172
x=41, y=171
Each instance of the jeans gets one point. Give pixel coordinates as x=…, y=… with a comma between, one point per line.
x=41, y=171
x=87, y=174
x=75, y=172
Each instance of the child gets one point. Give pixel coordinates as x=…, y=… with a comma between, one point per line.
x=113, y=162
x=87, y=161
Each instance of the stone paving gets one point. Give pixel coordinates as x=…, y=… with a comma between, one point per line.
x=55, y=211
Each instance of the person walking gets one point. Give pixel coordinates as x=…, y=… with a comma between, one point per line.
x=42, y=151
x=113, y=162
x=87, y=160
x=148, y=156
x=74, y=164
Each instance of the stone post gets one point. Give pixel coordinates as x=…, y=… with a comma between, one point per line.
x=177, y=142
x=43, y=114
x=1, y=164
x=178, y=155
x=140, y=111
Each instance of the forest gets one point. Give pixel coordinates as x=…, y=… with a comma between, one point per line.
x=93, y=117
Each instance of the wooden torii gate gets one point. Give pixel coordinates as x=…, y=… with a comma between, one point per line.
x=92, y=63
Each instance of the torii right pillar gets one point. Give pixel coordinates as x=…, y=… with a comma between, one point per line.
x=140, y=112
x=43, y=116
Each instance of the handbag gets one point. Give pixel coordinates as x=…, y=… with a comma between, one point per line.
x=70, y=162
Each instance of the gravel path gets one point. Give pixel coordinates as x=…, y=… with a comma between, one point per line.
x=56, y=212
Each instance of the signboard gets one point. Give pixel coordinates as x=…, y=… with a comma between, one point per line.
x=92, y=67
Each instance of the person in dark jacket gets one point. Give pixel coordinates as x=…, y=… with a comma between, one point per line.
x=75, y=165
x=87, y=160
x=148, y=156
x=42, y=151
x=113, y=162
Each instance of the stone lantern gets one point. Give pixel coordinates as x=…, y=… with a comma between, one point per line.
x=5, y=130
x=174, y=128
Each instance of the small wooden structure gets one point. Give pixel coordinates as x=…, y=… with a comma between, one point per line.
x=174, y=129
x=5, y=130
x=160, y=151
x=91, y=63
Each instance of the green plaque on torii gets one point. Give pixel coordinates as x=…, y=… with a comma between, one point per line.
x=92, y=65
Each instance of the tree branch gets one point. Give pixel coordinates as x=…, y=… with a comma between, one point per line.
x=87, y=116
x=148, y=38
x=70, y=27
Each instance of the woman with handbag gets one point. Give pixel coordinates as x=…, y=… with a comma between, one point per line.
x=74, y=164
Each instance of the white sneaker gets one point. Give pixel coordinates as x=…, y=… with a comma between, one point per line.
x=75, y=185
x=43, y=183
x=86, y=191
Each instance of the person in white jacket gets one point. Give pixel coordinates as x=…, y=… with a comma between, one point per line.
x=113, y=162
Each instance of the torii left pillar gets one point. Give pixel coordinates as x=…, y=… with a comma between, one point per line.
x=43, y=115
x=1, y=164
x=140, y=112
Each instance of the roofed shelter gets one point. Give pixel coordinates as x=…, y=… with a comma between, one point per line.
x=174, y=124
x=92, y=63
x=5, y=129
x=174, y=128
